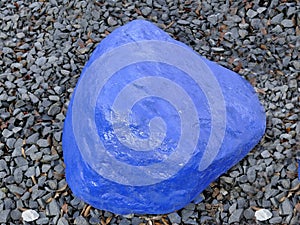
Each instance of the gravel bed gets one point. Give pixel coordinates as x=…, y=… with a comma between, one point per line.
x=43, y=48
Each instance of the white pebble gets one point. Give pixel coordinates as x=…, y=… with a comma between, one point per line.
x=30, y=215
x=263, y=214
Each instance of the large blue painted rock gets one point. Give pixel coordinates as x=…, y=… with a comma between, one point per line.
x=298, y=161
x=151, y=123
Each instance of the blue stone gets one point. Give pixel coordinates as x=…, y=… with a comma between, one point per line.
x=298, y=162
x=151, y=123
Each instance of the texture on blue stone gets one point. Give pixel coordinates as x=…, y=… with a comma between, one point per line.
x=151, y=123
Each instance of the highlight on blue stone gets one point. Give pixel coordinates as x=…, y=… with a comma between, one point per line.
x=151, y=123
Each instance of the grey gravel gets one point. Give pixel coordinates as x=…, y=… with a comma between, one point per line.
x=53, y=208
x=174, y=218
x=111, y=21
x=248, y=214
x=42, y=143
x=251, y=174
x=54, y=110
x=235, y=216
x=18, y=175
x=7, y=133
x=44, y=220
x=146, y=11
x=287, y=23
x=275, y=220
x=41, y=61
x=15, y=214
x=261, y=9
x=213, y=19
x=277, y=18
x=45, y=44
x=2, y=195
x=80, y=220
x=15, y=189
x=251, y=13
x=265, y=154
x=286, y=208
x=4, y=215
x=62, y=221
x=183, y=22
x=32, y=139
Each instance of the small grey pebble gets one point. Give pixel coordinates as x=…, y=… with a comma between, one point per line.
x=4, y=215
x=7, y=133
x=146, y=11
x=165, y=17
x=265, y=154
x=186, y=213
x=18, y=175
x=241, y=203
x=43, y=220
x=15, y=214
x=261, y=9
x=2, y=195
x=249, y=213
x=53, y=208
x=285, y=183
x=54, y=98
x=43, y=143
x=235, y=216
x=62, y=221
x=30, y=172
x=289, y=106
x=45, y=168
x=286, y=207
x=65, y=72
x=124, y=222
x=57, y=136
x=276, y=19
x=15, y=189
x=80, y=220
x=52, y=184
x=213, y=19
x=136, y=221
x=251, y=13
x=183, y=22
x=292, y=167
x=251, y=174
x=94, y=220
x=174, y=218
x=191, y=221
x=16, y=129
x=32, y=139
x=217, y=49
x=287, y=23
x=243, y=33
x=266, y=203
x=275, y=220
x=111, y=21
x=232, y=208
x=20, y=35
x=41, y=61
x=58, y=90
x=149, y=2
x=54, y=110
